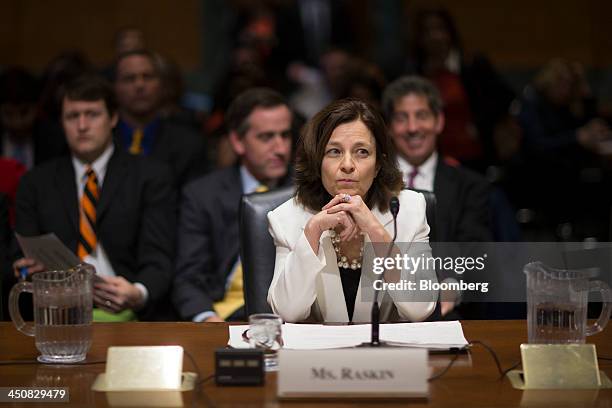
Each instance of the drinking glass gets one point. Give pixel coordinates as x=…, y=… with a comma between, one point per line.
x=557, y=302
x=63, y=305
x=265, y=332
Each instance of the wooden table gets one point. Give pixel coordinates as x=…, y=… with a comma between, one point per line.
x=472, y=381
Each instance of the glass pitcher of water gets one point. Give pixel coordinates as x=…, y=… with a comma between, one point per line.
x=557, y=302
x=63, y=310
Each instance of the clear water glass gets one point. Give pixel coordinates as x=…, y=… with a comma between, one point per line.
x=63, y=311
x=265, y=332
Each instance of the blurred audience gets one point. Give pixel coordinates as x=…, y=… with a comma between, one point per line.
x=128, y=39
x=559, y=114
x=307, y=28
x=476, y=99
x=246, y=71
x=318, y=86
x=24, y=140
x=364, y=81
x=566, y=146
x=208, y=283
x=142, y=130
x=67, y=66
x=11, y=171
x=23, y=137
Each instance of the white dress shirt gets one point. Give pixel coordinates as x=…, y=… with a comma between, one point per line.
x=424, y=180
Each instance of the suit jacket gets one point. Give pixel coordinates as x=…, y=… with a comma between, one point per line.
x=308, y=285
x=180, y=147
x=462, y=215
x=462, y=209
x=135, y=219
x=208, y=240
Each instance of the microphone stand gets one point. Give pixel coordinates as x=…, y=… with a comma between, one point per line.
x=375, y=315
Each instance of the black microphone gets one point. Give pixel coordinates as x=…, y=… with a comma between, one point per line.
x=375, y=316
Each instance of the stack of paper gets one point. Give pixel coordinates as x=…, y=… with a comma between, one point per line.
x=430, y=335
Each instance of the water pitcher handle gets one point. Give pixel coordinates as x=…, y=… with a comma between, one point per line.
x=13, y=304
x=606, y=308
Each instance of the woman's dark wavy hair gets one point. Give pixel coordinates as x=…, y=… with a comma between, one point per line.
x=314, y=137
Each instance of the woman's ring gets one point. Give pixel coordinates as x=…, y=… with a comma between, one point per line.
x=346, y=198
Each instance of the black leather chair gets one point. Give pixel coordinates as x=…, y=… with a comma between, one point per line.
x=430, y=212
x=257, y=251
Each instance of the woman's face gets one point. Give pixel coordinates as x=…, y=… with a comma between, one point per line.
x=349, y=161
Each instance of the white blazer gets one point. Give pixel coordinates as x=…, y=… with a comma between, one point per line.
x=308, y=285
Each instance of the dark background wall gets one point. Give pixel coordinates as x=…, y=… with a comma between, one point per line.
x=517, y=34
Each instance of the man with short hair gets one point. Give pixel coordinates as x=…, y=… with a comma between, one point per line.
x=142, y=130
x=208, y=284
x=115, y=211
x=413, y=108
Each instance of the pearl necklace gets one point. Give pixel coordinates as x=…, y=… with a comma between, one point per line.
x=343, y=260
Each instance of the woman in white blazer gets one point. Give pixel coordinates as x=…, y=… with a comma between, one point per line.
x=346, y=174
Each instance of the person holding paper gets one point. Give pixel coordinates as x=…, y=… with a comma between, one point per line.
x=114, y=210
x=345, y=174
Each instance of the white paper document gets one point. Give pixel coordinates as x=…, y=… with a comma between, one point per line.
x=48, y=250
x=429, y=335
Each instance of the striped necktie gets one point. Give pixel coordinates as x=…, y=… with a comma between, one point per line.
x=87, y=219
x=136, y=146
x=411, y=176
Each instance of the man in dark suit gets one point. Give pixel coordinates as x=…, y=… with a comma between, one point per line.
x=208, y=283
x=413, y=107
x=142, y=130
x=113, y=210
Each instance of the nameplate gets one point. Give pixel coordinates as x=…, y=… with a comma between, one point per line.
x=144, y=367
x=561, y=366
x=354, y=373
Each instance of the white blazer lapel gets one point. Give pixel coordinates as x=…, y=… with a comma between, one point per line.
x=385, y=218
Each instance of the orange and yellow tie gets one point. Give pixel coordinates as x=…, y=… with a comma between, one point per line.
x=87, y=219
x=136, y=146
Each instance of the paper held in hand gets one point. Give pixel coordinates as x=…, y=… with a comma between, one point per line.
x=51, y=252
x=48, y=250
x=428, y=335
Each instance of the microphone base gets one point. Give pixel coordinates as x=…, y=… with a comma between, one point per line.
x=374, y=344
